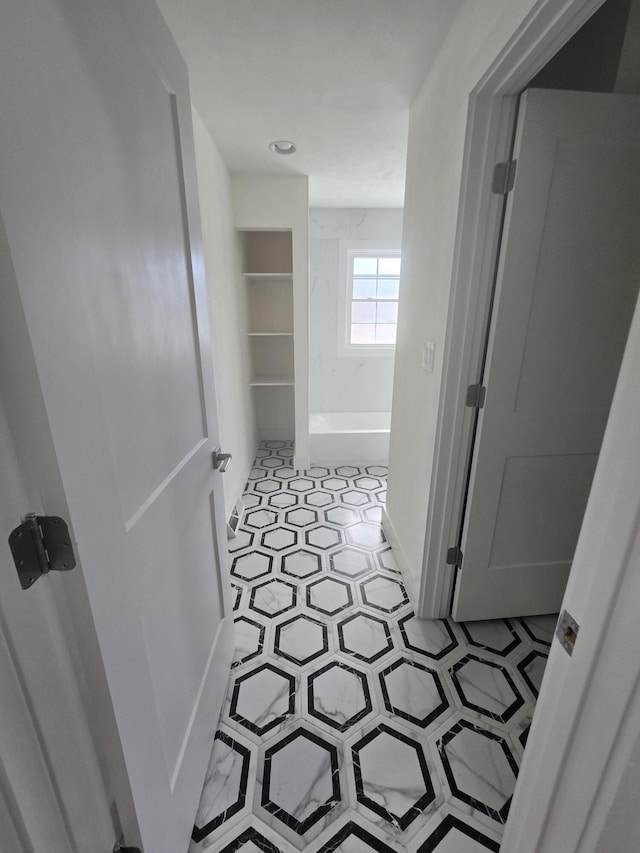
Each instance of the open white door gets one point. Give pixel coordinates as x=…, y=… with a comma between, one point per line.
x=99, y=201
x=51, y=792
x=567, y=284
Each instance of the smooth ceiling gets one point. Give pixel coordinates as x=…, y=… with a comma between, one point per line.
x=335, y=76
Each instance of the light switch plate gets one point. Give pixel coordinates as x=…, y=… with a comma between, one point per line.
x=428, y=356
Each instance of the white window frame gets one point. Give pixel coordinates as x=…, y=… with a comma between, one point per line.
x=348, y=249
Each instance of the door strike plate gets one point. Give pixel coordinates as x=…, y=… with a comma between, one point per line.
x=567, y=632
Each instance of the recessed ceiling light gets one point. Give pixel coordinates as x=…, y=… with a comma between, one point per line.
x=282, y=146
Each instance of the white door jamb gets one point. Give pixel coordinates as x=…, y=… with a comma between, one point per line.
x=490, y=124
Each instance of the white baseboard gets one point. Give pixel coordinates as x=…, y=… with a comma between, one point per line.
x=301, y=463
x=242, y=482
x=275, y=434
x=411, y=581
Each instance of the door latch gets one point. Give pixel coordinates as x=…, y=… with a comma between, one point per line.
x=221, y=460
x=567, y=632
x=39, y=545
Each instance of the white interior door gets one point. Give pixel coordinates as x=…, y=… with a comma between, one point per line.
x=51, y=792
x=568, y=278
x=98, y=197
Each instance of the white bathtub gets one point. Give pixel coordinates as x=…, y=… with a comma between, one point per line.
x=340, y=438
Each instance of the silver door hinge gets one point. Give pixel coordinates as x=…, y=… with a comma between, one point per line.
x=39, y=545
x=504, y=176
x=476, y=395
x=454, y=557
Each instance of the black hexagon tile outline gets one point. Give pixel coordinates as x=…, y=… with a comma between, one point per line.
x=451, y=823
x=200, y=832
x=322, y=713
x=335, y=583
x=392, y=703
x=251, y=557
x=342, y=558
x=442, y=624
x=468, y=629
x=404, y=820
x=359, y=655
x=313, y=561
x=270, y=614
x=391, y=606
x=250, y=836
x=536, y=633
x=353, y=830
x=303, y=656
x=278, y=810
x=509, y=710
x=259, y=646
x=500, y=814
x=523, y=669
x=286, y=694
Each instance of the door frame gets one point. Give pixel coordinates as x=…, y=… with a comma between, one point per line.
x=587, y=719
x=491, y=119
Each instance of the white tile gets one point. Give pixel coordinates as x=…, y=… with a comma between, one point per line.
x=321, y=602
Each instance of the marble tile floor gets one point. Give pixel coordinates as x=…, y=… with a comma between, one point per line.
x=349, y=725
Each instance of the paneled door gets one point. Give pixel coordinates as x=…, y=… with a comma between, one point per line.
x=99, y=200
x=568, y=278
x=52, y=796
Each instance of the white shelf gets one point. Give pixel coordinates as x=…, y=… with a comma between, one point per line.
x=270, y=334
x=267, y=276
x=257, y=381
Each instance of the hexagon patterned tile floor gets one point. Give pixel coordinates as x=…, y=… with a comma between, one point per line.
x=349, y=724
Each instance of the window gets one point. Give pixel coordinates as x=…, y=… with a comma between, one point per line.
x=375, y=285
x=371, y=276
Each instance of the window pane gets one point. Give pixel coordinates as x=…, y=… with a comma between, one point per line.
x=364, y=288
x=388, y=288
x=363, y=312
x=386, y=334
x=389, y=266
x=361, y=334
x=365, y=266
x=387, y=312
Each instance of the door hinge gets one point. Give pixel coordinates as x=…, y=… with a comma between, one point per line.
x=454, y=557
x=39, y=545
x=476, y=396
x=504, y=176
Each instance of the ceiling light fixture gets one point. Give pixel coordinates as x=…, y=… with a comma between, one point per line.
x=282, y=146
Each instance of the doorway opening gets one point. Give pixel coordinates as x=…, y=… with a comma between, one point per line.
x=599, y=58
x=353, y=311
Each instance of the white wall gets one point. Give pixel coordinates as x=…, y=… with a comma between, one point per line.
x=434, y=166
x=282, y=203
x=339, y=383
x=228, y=313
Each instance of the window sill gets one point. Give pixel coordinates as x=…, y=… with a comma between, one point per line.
x=367, y=352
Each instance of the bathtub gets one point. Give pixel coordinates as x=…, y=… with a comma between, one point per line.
x=340, y=438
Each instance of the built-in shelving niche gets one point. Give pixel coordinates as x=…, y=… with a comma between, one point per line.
x=268, y=276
